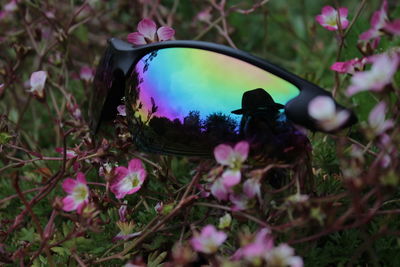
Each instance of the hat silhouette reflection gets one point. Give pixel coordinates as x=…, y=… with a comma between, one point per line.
x=257, y=100
x=260, y=116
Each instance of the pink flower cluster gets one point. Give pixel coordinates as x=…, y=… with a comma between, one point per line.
x=380, y=23
x=262, y=249
x=232, y=159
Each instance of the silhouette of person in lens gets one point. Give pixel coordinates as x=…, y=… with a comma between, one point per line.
x=270, y=134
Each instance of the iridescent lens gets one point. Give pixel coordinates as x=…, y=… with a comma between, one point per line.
x=181, y=80
x=186, y=84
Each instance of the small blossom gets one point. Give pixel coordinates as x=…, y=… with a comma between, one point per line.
x=78, y=193
x=232, y=157
x=329, y=18
x=37, y=81
x=282, y=256
x=381, y=74
x=323, y=110
x=254, y=251
x=11, y=6
x=121, y=110
x=122, y=212
x=252, y=188
x=204, y=15
x=208, y=240
x=376, y=119
x=70, y=153
x=2, y=88
x=148, y=33
x=225, y=221
x=159, y=207
x=86, y=73
x=350, y=66
x=74, y=110
x=219, y=190
x=128, y=180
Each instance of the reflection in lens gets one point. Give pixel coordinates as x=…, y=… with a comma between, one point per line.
x=186, y=95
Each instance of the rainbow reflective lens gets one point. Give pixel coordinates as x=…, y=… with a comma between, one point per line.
x=188, y=95
x=185, y=80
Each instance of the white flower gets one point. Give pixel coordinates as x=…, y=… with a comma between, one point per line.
x=323, y=110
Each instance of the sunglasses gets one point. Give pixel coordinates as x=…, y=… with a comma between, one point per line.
x=186, y=97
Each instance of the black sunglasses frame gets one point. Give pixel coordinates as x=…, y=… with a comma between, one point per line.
x=121, y=57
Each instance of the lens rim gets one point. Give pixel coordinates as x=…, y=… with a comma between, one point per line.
x=122, y=57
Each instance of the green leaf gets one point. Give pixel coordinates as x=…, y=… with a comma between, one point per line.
x=4, y=138
x=28, y=234
x=61, y=251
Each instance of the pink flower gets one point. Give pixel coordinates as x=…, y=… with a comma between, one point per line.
x=379, y=23
x=219, y=190
x=232, y=157
x=208, y=240
x=323, y=110
x=204, y=15
x=86, y=73
x=329, y=18
x=37, y=81
x=121, y=110
x=148, y=33
x=283, y=255
x=381, y=74
x=78, y=193
x=128, y=180
x=11, y=6
x=262, y=243
x=376, y=119
x=252, y=188
x=350, y=66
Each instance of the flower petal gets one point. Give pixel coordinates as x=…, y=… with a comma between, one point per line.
x=321, y=108
x=165, y=33
x=120, y=173
x=223, y=154
x=219, y=191
x=135, y=165
x=242, y=150
x=69, y=203
x=231, y=178
x=81, y=178
x=136, y=38
x=69, y=184
x=328, y=11
x=148, y=28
